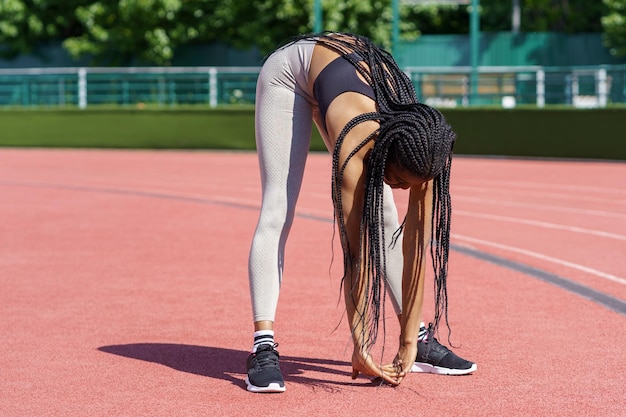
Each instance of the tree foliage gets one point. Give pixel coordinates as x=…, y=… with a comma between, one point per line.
x=614, y=23
x=144, y=30
x=126, y=32
x=25, y=23
x=569, y=16
x=264, y=23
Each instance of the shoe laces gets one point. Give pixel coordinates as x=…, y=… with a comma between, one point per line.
x=430, y=341
x=267, y=356
x=429, y=334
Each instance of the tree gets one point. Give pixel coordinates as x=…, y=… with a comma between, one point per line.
x=26, y=23
x=126, y=32
x=269, y=22
x=146, y=31
x=614, y=23
x=150, y=30
x=368, y=18
x=570, y=16
x=263, y=23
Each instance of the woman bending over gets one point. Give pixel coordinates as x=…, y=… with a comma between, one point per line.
x=380, y=137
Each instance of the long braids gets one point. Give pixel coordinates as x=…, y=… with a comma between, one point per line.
x=411, y=135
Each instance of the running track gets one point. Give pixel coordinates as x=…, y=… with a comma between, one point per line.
x=124, y=290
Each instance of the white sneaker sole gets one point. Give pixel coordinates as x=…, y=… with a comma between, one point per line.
x=420, y=367
x=273, y=387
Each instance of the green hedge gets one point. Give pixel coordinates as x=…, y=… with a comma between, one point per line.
x=564, y=133
x=185, y=129
x=559, y=133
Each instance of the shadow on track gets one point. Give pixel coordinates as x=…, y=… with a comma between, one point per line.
x=229, y=364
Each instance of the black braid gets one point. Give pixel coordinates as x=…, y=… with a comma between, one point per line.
x=412, y=136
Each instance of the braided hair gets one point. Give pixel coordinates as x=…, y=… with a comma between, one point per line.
x=411, y=136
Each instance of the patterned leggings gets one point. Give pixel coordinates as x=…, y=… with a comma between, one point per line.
x=283, y=121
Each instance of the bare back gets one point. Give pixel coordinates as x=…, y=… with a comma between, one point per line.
x=344, y=107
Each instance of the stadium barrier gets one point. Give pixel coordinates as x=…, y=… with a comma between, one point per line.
x=508, y=87
x=568, y=112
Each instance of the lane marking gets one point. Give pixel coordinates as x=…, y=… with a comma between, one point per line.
x=538, y=223
x=537, y=255
x=540, y=207
x=545, y=194
x=608, y=301
x=542, y=186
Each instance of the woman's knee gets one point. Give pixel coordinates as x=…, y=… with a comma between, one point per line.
x=274, y=222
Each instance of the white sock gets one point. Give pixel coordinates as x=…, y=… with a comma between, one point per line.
x=421, y=336
x=262, y=337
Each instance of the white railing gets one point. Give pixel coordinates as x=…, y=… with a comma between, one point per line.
x=507, y=86
x=582, y=87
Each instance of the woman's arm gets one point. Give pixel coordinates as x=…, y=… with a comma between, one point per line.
x=354, y=285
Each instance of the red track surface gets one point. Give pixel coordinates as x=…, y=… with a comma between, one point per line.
x=125, y=293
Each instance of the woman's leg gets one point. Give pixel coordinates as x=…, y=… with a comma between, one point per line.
x=283, y=131
x=394, y=257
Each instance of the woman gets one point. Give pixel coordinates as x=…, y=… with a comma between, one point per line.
x=380, y=137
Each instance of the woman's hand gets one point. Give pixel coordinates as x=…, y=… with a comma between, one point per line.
x=405, y=358
x=363, y=362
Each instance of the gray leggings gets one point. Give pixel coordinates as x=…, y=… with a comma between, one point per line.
x=283, y=121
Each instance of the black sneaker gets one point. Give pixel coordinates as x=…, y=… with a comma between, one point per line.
x=434, y=358
x=263, y=370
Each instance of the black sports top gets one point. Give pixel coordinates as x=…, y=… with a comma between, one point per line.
x=338, y=77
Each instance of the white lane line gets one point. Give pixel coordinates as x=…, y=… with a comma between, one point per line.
x=546, y=194
x=545, y=225
x=532, y=254
x=598, y=213
x=619, y=190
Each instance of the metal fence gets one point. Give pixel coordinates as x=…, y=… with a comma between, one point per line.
x=581, y=87
x=221, y=86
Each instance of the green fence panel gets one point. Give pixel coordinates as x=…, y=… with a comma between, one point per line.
x=508, y=49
